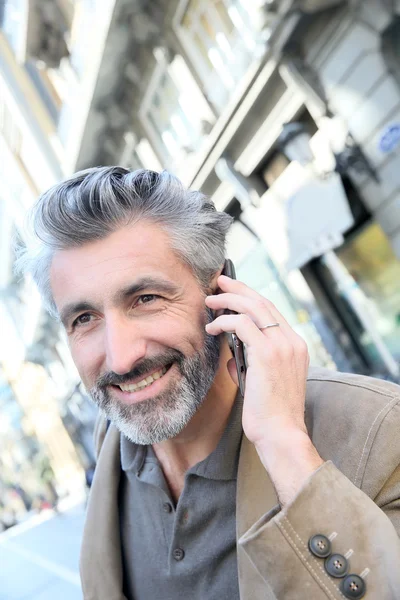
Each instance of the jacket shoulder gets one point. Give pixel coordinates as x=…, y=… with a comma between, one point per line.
x=354, y=386
x=354, y=420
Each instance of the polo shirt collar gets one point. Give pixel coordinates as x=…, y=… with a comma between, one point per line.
x=221, y=464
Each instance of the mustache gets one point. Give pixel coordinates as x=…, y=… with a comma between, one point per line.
x=148, y=364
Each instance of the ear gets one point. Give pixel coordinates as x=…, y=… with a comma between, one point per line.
x=213, y=286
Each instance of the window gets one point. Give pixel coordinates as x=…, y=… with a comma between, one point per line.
x=222, y=37
x=370, y=259
x=22, y=167
x=129, y=158
x=11, y=166
x=255, y=268
x=45, y=88
x=175, y=113
x=12, y=185
x=139, y=155
x=9, y=129
x=84, y=16
x=146, y=156
x=13, y=16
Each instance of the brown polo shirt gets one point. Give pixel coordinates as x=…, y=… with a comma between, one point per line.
x=187, y=551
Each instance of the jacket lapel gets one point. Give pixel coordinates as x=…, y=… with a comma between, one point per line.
x=101, y=561
x=255, y=497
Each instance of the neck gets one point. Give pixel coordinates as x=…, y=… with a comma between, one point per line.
x=201, y=436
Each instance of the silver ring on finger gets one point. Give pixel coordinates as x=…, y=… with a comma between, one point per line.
x=269, y=325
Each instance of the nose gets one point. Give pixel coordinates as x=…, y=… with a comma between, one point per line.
x=124, y=344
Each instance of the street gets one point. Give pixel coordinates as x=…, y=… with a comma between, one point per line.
x=39, y=558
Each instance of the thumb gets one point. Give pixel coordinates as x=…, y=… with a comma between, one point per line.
x=231, y=366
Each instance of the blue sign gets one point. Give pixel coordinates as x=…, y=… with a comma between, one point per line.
x=390, y=138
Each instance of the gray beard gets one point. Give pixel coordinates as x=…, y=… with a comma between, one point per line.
x=164, y=416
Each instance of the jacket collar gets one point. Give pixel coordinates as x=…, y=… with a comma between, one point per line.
x=255, y=496
x=101, y=560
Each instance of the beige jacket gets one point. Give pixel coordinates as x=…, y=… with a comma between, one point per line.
x=354, y=423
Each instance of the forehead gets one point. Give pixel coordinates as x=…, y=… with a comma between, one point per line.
x=135, y=250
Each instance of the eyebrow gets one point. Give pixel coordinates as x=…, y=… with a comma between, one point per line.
x=143, y=284
x=72, y=309
x=159, y=285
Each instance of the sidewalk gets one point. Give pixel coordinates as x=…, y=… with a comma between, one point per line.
x=39, y=559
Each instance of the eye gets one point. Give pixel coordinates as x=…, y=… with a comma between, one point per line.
x=82, y=320
x=146, y=299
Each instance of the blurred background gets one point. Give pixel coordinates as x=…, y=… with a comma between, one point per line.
x=285, y=112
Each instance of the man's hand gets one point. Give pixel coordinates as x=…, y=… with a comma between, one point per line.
x=277, y=366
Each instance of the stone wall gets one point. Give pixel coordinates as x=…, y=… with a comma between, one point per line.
x=360, y=88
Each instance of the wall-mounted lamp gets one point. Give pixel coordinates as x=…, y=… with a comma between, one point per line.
x=294, y=142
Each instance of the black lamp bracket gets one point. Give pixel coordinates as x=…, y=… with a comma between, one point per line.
x=352, y=157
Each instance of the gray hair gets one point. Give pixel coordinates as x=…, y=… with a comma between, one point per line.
x=95, y=202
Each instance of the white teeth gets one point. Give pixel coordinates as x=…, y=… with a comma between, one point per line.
x=131, y=387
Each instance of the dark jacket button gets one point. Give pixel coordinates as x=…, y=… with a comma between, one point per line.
x=167, y=507
x=353, y=586
x=178, y=554
x=336, y=565
x=320, y=546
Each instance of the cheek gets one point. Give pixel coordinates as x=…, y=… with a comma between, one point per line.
x=87, y=357
x=185, y=334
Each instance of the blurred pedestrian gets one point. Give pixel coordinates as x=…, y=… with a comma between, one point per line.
x=89, y=474
x=47, y=477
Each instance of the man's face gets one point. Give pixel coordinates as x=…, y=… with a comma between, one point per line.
x=135, y=316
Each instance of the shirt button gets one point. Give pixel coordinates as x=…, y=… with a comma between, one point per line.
x=167, y=507
x=353, y=586
x=320, y=545
x=178, y=554
x=336, y=565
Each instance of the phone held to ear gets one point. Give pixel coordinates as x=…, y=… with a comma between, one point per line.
x=235, y=344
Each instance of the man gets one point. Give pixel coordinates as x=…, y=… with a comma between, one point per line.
x=290, y=493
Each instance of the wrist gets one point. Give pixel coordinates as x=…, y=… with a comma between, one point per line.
x=290, y=458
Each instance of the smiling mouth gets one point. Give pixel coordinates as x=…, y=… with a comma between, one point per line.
x=145, y=382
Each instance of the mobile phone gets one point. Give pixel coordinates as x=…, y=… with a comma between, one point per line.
x=235, y=344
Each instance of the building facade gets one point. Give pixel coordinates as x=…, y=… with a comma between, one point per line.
x=206, y=88
x=41, y=458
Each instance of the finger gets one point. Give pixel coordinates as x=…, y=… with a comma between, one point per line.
x=298, y=343
x=271, y=350
x=258, y=309
x=294, y=344
x=246, y=330
x=228, y=285
x=268, y=309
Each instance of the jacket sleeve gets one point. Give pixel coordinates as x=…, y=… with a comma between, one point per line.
x=362, y=535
